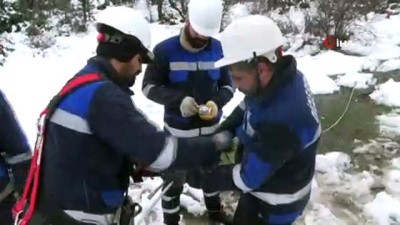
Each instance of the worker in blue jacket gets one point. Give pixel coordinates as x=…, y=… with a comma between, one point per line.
x=96, y=133
x=15, y=158
x=277, y=124
x=184, y=80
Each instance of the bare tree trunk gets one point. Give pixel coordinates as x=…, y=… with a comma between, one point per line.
x=36, y=6
x=173, y=5
x=54, y=6
x=115, y=2
x=84, y=10
x=183, y=7
x=160, y=9
x=149, y=4
x=30, y=4
x=271, y=4
x=1, y=4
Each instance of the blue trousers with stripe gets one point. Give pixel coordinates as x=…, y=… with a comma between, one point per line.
x=251, y=210
x=195, y=178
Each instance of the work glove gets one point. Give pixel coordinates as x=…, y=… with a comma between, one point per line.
x=188, y=107
x=223, y=141
x=231, y=154
x=208, y=111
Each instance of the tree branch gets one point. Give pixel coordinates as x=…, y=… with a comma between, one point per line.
x=173, y=5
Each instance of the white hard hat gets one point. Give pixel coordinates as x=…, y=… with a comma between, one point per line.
x=127, y=21
x=205, y=16
x=248, y=36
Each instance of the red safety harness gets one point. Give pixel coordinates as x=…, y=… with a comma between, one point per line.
x=24, y=209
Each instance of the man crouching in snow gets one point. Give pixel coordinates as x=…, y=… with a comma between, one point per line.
x=277, y=124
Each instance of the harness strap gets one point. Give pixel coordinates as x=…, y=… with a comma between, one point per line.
x=24, y=209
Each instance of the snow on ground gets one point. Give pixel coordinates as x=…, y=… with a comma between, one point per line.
x=390, y=123
x=376, y=42
x=30, y=78
x=387, y=93
x=357, y=80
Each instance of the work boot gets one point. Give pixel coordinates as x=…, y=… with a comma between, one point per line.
x=219, y=218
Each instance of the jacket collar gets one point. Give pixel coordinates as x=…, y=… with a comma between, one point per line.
x=285, y=73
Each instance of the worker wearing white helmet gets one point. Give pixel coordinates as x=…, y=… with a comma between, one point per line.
x=277, y=124
x=91, y=134
x=124, y=38
x=203, y=21
x=193, y=92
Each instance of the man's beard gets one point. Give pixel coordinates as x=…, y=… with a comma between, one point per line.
x=193, y=41
x=128, y=80
x=132, y=79
x=249, y=93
